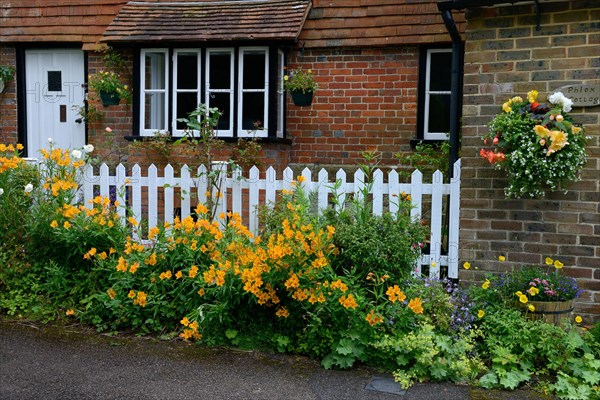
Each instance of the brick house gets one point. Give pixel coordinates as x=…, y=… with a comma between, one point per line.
x=383, y=69
x=506, y=55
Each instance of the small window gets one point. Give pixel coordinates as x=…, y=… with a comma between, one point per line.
x=219, y=87
x=435, y=78
x=254, y=85
x=153, y=93
x=280, y=93
x=187, y=88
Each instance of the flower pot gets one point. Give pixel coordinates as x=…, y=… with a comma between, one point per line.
x=551, y=312
x=110, y=98
x=301, y=99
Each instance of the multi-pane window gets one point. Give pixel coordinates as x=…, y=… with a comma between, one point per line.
x=436, y=93
x=240, y=82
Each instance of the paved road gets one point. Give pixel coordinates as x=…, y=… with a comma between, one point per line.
x=61, y=363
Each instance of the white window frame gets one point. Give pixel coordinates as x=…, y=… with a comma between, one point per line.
x=265, y=90
x=197, y=90
x=280, y=94
x=144, y=91
x=426, y=134
x=231, y=90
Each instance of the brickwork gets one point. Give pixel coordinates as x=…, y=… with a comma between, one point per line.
x=8, y=100
x=366, y=100
x=504, y=57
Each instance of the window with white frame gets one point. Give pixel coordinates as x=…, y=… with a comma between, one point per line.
x=154, y=90
x=435, y=94
x=244, y=83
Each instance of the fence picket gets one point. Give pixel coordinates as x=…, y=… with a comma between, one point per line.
x=185, y=188
x=152, y=196
x=129, y=194
x=169, y=208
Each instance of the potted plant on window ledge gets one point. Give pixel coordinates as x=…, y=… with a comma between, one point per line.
x=301, y=86
x=109, y=86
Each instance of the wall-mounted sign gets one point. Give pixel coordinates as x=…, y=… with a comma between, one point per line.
x=582, y=95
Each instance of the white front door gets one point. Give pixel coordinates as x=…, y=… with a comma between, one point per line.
x=54, y=80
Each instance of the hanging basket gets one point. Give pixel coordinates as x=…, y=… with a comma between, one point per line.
x=551, y=312
x=301, y=99
x=110, y=98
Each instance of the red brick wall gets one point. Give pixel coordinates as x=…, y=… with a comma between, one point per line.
x=367, y=99
x=8, y=100
x=505, y=56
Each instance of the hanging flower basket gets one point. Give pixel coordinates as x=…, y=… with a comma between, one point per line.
x=537, y=145
x=300, y=98
x=110, y=98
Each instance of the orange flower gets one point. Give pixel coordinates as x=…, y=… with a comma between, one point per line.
x=416, y=305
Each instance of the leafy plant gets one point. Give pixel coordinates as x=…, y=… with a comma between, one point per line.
x=301, y=81
x=6, y=73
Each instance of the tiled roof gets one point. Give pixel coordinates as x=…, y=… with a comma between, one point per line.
x=56, y=21
x=348, y=23
x=145, y=21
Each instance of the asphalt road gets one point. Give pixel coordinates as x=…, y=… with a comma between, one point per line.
x=40, y=362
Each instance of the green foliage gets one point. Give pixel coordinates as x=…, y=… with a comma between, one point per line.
x=427, y=158
x=424, y=355
x=301, y=81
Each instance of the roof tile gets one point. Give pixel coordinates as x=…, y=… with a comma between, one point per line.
x=146, y=21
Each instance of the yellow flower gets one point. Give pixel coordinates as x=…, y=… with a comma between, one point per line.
x=395, y=294
x=282, y=313
x=131, y=294
x=111, y=293
x=533, y=291
x=523, y=299
x=532, y=96
x=185, y=321
x=501, y=258
x=300, y=179
x=486, y=284
x=416, y=305
x=348, y=301
x=558, y=264
x=66, y=225
x=54, y=224
x=70, y=312
x=201, y=292
x=178, y=274
x=578, y=319
x=549, y=261
x=373, y=319
x=467, y=265
x=541, y=131
x=480, y=314
x=132, y=221
x=531, y=308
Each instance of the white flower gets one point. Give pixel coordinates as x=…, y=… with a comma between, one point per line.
x=559, y=99
x=50, y=140
x=28, y=188
x=88, y=148
x=1, y=191
x=108, y=129
x=76, y=154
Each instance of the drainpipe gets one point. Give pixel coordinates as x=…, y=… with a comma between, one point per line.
x=455, y=82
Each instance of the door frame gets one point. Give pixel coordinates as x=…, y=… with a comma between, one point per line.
x=21, y=82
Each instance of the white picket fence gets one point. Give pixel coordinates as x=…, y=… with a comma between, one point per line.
x=243, y=195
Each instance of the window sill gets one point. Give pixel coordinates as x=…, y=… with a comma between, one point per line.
x=132, y=138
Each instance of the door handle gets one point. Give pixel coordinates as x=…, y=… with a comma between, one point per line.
x=79, y=120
